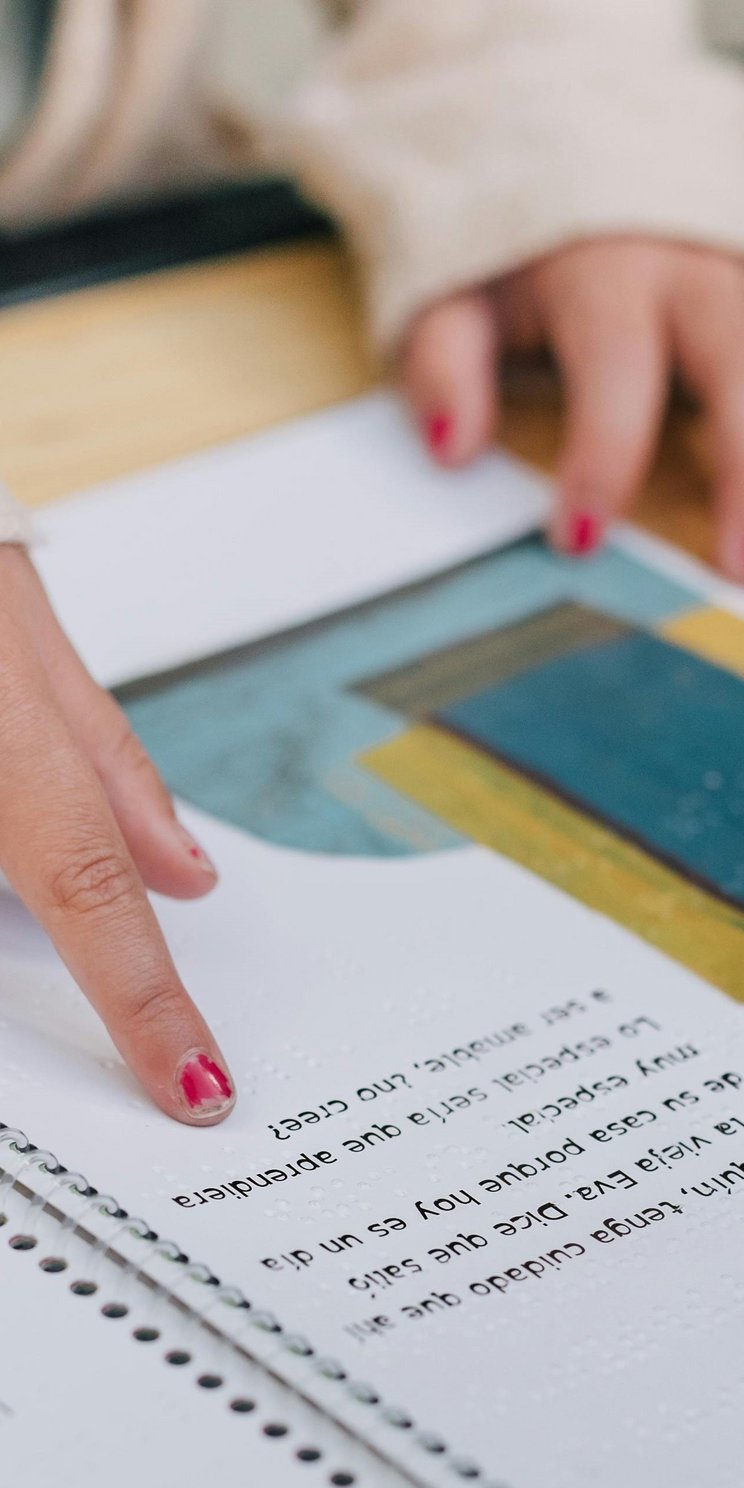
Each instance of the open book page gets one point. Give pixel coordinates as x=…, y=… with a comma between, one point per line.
x=488, y=1150
x=267, y=532
x=480, y=907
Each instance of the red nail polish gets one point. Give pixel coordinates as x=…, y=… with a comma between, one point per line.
x=584, y=533
x=438, y=428
x=205, y=1088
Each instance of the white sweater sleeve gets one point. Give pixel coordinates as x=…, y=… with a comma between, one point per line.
x=456, y=140
x=15, y=520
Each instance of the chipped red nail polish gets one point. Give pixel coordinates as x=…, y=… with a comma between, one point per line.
x=204, y=1087
x=584, y=533
x=439, y=428
x=196, y=852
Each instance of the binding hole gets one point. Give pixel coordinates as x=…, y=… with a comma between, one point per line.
x=309, y=1454
x=364, y=1394
x=297, y=1345
x=397, y=1418
x=178, y=1357
x=266, y=1322
x=169, y=1251
x=22, y=1242
x=242, y=1406
x=275, y=1429
x=3, y=1219
x=146, y=1335
x=210, y=1381
x=84, y=1288
x=431, y=1443
x=342, y=1479
x=53, y=1264
x=114, y=1310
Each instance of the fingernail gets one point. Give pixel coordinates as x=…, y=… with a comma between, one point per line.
x=438, y=432
x=583, y=533
x=195, y=851
x=204, y=1088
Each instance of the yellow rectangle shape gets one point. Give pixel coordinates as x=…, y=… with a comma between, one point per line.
x=501, y=809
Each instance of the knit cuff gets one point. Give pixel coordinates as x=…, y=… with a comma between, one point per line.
x=448, y=176
x=16, y=525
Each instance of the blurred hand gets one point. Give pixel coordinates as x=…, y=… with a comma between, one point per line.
x=619, y=315
x=85, y=824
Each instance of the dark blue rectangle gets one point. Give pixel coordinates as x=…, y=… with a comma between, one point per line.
x=641, y=735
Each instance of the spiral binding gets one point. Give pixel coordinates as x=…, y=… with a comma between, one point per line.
x=112, y=1246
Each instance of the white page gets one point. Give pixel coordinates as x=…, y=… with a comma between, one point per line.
x=255, y=536
x=327, y=977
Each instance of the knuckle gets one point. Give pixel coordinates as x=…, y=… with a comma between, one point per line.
x=154, y=1006
x=94, y=879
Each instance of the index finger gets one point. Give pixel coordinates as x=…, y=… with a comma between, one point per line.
x=62, y=850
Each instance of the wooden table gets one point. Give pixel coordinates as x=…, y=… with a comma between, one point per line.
x=112, y=379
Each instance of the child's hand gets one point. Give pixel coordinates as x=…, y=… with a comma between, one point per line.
x=619, y=315
x=85, y=823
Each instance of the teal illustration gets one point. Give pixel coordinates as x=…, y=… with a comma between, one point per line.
x=268, y=736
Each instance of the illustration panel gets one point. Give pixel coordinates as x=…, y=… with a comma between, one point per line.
x=582, y=719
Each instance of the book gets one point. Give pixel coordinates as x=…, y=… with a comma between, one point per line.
x=474, y=958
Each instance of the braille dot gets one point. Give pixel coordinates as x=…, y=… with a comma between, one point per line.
x=114, y=1310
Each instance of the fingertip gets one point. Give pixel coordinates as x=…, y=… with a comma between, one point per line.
x=442, y=434
x=449, y=378
x=730, y=550
x=195, y=870
x=204, y=1089
x=437, y=431
x=455, y=439
x=169, y=858
x=577, y=532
